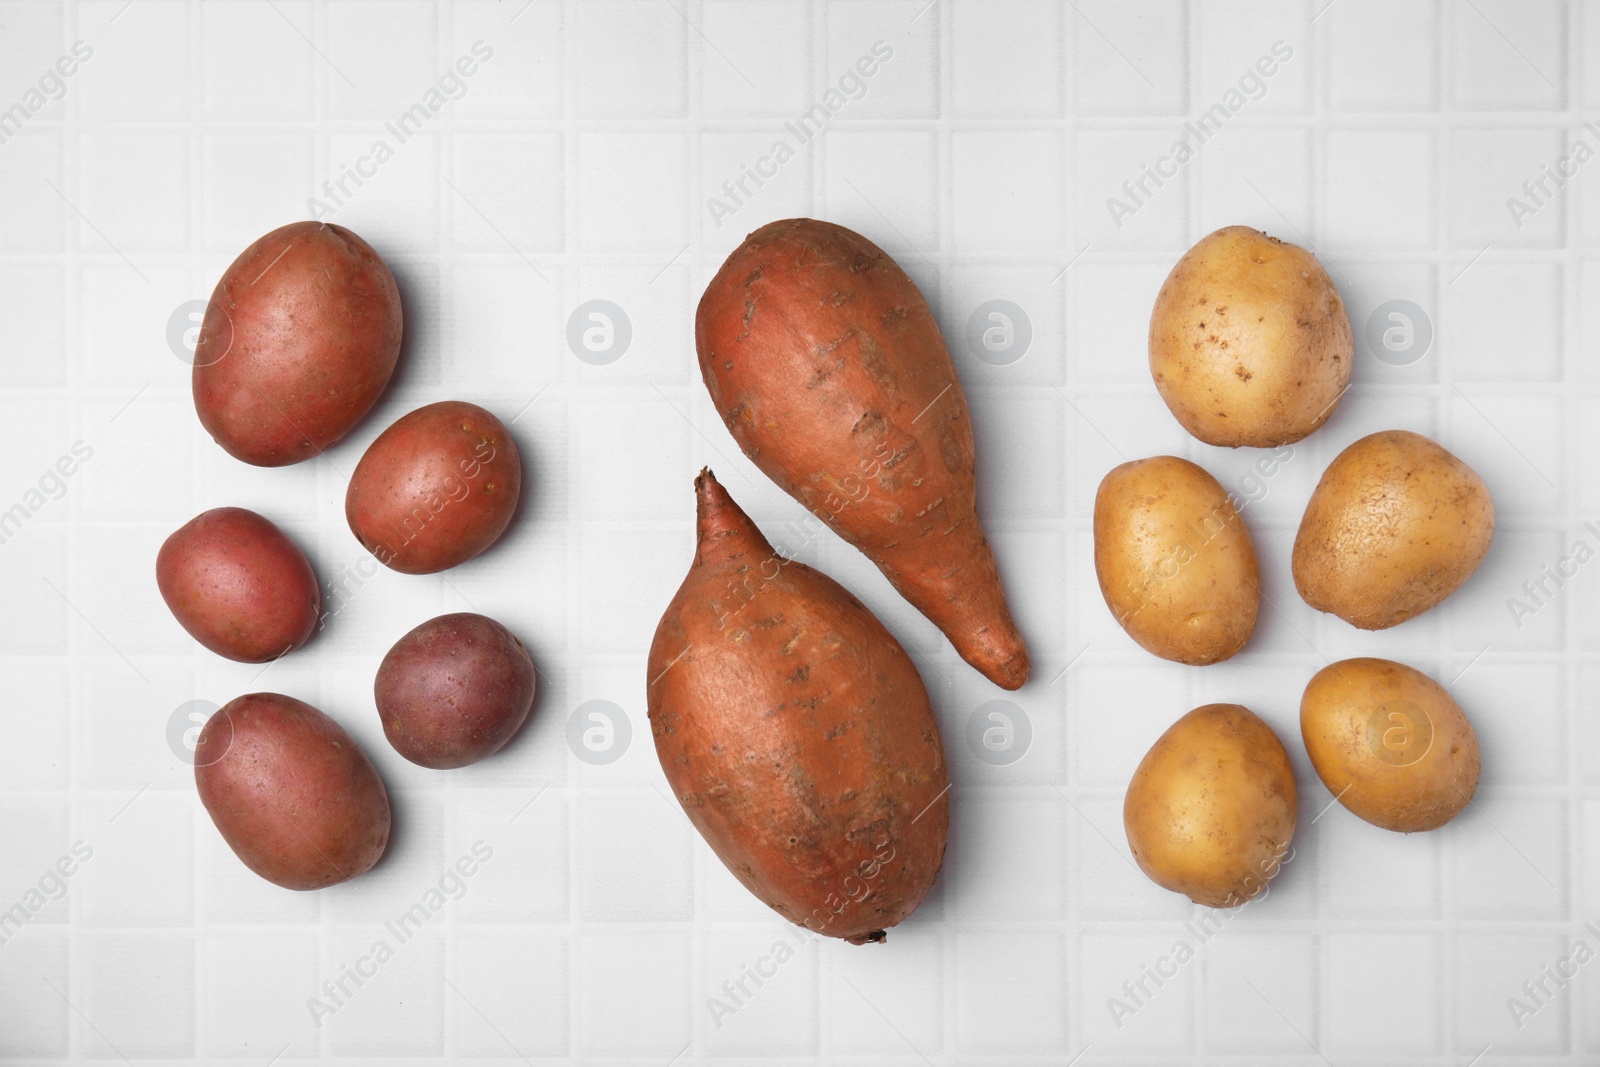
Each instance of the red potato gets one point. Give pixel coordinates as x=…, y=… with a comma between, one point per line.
x=290, y=792
x=828, y=368
x=436, y=488
x=797, y=734
x=238, y=585
x=454, y=690
x=298, y=341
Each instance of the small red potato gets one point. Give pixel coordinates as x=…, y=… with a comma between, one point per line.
x=454, y=690
x=436, y=488
x=239, y=585
x=298, y=341
x=290, y=792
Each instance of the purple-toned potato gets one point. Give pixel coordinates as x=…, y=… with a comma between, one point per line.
x=436, y=488
x=239, y=585
x=290, y=792
x=298, y=341
x=454, y=690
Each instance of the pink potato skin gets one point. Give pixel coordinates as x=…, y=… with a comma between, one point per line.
x=436, y=488
x=238, y=585
x=454, y=690
x=291, y=793
x=300, y=338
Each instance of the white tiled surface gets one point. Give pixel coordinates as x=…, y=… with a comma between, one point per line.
x=577, y=166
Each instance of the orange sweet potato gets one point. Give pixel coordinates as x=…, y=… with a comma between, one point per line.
x=797, y=734
x=829, y=370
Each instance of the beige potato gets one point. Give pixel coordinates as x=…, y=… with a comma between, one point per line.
x=1175, y=560
x=1395, y=525
x=1390, y=743
x=1211, y=810
x=1249, y=340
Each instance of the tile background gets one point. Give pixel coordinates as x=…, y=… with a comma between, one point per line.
x=576, y=167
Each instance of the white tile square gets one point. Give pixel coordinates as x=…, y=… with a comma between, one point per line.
x=1505, y=323
x=1005, y=190
x=40, y=871
x=627, y=839
x=1503, y=188
x=29, y=167
x=897, y=210
x=1112, y=303
x=1510, y=56
x=1374, y=874
x=513, y=993
x=1514, y=443
x=240, y=1022
x=1252, y=57
x=37, y=720
x=38, y=1021
x=761, y=984
x=1256, y=177
x=760, y=65
x=400, y=1011
x=1383, y=55
x=510, y=61
x=1524, y=842
x=35, y=39
x=1010, y=988
x=750, y=177
x=150, y=1017
x=629, y=59
x=630, y=190
x=1120, y=206
x=137, y=68
x=1241, y=1019
x=1382, y=994
x=396, y=210
x=509, y=193
x=1129, y=59
x=902, y=40
x=383, y=60
x=1123, y=999
x=1530, y=751
x=659, y=305
x=256, y=182
x=1007, y=60
x=888, y=1003
x=643, y=972
x=1381, y=189
x=34, y=351
x=142, y=872
x=601, y=432
x=1488, y=972
x=255, y=43
x=992, y=343
x=1007, y=855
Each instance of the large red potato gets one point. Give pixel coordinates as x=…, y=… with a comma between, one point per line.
x=796, y=733
x=828, y=368
x=300, y=338
x=436, y=488
x=239, y=585
x=290, y=792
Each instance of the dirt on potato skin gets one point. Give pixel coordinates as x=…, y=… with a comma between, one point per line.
x=829, y=369
x=797, y=734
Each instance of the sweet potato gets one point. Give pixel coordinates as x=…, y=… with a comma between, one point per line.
x=796, y=733
x=825, y=363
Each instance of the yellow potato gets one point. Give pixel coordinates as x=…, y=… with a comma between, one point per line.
x=1210, y=812
x=1175, y=561
x=1389, y=743
x=1249, y=340
x=1395, y=525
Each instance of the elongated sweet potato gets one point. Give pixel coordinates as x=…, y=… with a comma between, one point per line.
x=829, y=370
x=796, y=733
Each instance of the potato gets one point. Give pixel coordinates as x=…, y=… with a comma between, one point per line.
x=1389, y=743
x=239, y=585
x=1210, y=812
x=436, y=488
x=1175, y=561
x=290, y=792
x=1249, y=340
x=299, y=339
x=454, y=690
x=1395, y=525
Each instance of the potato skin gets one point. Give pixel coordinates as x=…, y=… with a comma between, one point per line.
x=238, y=585
x=1211, y=810
x=829, y=370
x=300, y=338
x=1390, y=743
x=797, y=734
x=291, y=793
x=1175, y=561
x=454, y=690
x=436, y=488
x=1249, y=340
x=1395, y=525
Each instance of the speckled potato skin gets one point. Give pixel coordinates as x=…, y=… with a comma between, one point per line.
x=1211, y=810
x=300, y=338
x=290, y=792
x=1175, y=561
x=239, y=585
x=1395, y=525
x=1249, y=340
x=1348, y=709
x=797, y=734
x=454, y=690
x=436, y=488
